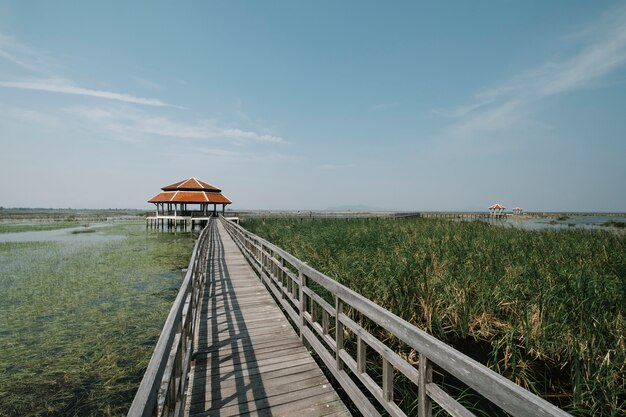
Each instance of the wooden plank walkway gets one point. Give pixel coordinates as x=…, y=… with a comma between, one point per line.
x=248, y=360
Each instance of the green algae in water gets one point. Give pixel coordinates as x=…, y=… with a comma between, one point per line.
x=32, y=226
x=78, y=321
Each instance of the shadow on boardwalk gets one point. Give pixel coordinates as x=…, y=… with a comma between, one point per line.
x=248, y=359
x=222, y=347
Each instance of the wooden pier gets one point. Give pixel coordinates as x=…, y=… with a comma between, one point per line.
x=182, y=222
x=248, y=359
x=238, y=336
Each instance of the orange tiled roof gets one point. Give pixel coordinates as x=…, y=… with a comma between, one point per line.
x=191, y=197
x=190, y=184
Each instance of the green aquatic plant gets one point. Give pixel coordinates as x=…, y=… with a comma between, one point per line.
x=614, y=223
x=79, y=320
x=545, y=307
x=33, y=226
x=80, y=231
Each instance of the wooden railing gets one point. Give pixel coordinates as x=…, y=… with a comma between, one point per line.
x=303, y=293
x=162, y=389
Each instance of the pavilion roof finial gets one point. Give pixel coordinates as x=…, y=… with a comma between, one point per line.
x=190, y=191
x=191, y=184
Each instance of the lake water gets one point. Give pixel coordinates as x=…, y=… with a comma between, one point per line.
x=69, y=235
x=80, y=313
x=589, y=222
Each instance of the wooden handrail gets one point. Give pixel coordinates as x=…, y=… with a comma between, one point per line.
x=162, y=389
x=287, y=277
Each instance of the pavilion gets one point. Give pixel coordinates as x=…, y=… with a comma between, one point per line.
x=497, y=210
x=187, y=201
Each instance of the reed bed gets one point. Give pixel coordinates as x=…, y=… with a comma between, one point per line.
x=30, y=226
x=78, y=321
x=544, y=308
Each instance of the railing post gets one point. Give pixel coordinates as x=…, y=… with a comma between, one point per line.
x=302, y=303
x=283, y=276
x=275, y=277
x=325, y=320
x=361, y=355
x=262, y=261
x=424, y=406
x=387, y=381
x=313, y=308
x=338, y=331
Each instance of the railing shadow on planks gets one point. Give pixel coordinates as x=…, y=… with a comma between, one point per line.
x=164, y=384
x=301, y=292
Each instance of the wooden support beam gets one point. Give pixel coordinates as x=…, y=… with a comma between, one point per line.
x=338, y=332
x=425, y=407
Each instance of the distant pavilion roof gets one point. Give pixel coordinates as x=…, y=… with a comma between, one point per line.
x=191, y=184
x=190, y=191
x=497, y=206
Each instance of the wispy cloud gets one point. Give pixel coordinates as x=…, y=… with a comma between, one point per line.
x=40, y=64
x=221, y=153
x=238, y=155
x=22, y=55
x=67, y=87
x=31, y=117
x=600, y=50
x=132, y=122
x=144, y=82
x=219, y=157
x=124, y=121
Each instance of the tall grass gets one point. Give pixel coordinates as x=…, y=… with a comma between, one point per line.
x=78, y=321
x=544, y=308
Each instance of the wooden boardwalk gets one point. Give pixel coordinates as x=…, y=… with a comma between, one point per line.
x=247, y=359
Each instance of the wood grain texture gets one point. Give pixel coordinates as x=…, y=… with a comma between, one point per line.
x=247, y=358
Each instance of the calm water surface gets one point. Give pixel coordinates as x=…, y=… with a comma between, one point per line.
x=572, y=222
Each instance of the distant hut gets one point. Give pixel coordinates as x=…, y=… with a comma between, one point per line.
x=497, y=210
x=517, y=211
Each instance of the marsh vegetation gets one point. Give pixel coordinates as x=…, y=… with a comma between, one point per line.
x=30, y=226
x=79, y=318
x=545, y=308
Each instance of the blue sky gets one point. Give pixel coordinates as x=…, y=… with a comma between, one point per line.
x=310, y=105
